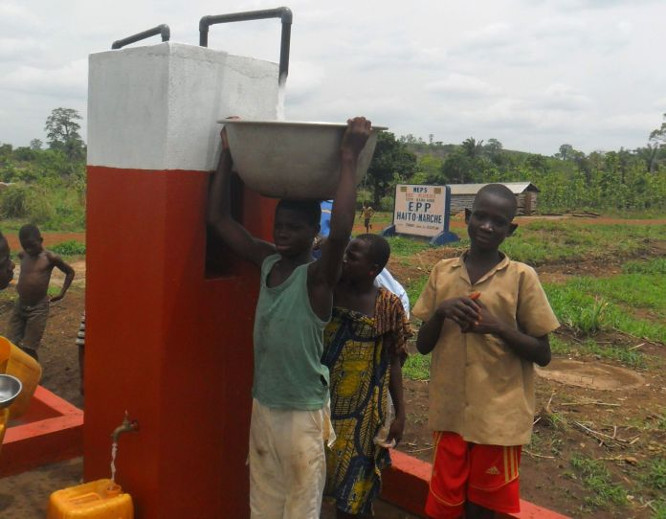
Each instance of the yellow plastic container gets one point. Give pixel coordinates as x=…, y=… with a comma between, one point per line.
x=95, y=500
x=4, y=418
x=14, y=361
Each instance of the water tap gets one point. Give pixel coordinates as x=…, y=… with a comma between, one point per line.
x=127, y=426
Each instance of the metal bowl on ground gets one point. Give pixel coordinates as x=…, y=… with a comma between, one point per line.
x=286, y=159
x=10, y=388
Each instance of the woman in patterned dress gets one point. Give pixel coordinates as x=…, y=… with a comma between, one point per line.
x=365, y=346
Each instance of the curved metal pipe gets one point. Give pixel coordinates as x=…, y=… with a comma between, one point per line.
x=162, y=30
x=285, y=15
x=125, y=427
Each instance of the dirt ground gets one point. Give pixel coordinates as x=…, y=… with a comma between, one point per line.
x=615, y=423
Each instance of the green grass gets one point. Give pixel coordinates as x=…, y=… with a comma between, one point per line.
x=637, y=290
x=589, y=305
x=578, y=310
x=417, y=367
x=632, y=214
x=655, y=475
x=631, y=358
x=12, y=225
x=544, y=242
x=661, y=422
x=69, y=248
x=654, y=266
x=380, y=220
x=595, y=477
x=50, y=204
x=414, y=287
x=659, y=508
x=402, y=246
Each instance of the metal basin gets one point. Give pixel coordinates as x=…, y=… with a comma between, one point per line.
x=10, y=388
x=287, y=159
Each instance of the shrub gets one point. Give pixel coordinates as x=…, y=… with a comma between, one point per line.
x=386, y=204
x=13, y=202
x=69, y=248
x=51, y=205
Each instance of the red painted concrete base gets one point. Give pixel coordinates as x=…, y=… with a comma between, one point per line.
x=51, y=430
x=405, y=485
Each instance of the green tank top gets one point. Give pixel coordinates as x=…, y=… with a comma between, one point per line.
x=288, y=344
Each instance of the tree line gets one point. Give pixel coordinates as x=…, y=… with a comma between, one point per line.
x=569, y=180
x=48, y=180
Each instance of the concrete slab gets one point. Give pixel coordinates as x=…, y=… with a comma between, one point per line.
x=50, y=431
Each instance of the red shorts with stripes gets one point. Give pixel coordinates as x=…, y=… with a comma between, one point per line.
x=486, y=475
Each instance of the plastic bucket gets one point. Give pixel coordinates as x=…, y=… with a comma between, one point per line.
x=16, y=362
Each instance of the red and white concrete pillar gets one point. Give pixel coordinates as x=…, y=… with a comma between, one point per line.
x=164, y=341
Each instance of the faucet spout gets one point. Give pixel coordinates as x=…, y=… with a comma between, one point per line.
x=125, y=427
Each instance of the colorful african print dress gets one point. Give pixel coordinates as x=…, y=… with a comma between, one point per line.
x=358, y=355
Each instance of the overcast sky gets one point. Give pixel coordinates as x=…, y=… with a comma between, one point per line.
x=532, y=73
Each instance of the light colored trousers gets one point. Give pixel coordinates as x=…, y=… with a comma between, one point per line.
x=287, y=462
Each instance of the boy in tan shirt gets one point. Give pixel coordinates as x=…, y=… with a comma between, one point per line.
x=486, y=321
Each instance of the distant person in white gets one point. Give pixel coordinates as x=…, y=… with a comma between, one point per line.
x=386, y=280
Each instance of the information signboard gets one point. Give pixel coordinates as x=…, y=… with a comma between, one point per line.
x=420, y=210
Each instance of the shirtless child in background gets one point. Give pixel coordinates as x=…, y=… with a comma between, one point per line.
x=28, y=319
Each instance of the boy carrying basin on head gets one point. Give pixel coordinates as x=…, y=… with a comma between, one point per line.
x=290, y=389
x=486, y=321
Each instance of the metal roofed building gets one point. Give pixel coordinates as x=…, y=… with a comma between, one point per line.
x=462, y=196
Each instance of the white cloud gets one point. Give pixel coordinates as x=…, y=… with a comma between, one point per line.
x=68, y=81
x=15, y=19
x=461, y=85
x=494, y=35
x=642, y=122
x=534, y=74
x=595, y=4
x=560, y=97
x=19, y=49
x=660, y=104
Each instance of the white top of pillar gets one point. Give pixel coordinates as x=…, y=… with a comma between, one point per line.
x=157, y=107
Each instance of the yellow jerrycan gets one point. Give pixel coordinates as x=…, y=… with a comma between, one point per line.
x=4, y=418
x=14, y=361
x=101, y=499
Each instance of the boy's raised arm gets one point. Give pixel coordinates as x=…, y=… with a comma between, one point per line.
x=218, y=214
x=327, y=269
x=66, y=268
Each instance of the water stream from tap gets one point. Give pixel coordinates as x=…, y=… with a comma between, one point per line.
x=281, y=98
x=114, y=452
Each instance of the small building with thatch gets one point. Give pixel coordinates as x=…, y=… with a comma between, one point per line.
x=462, y=196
